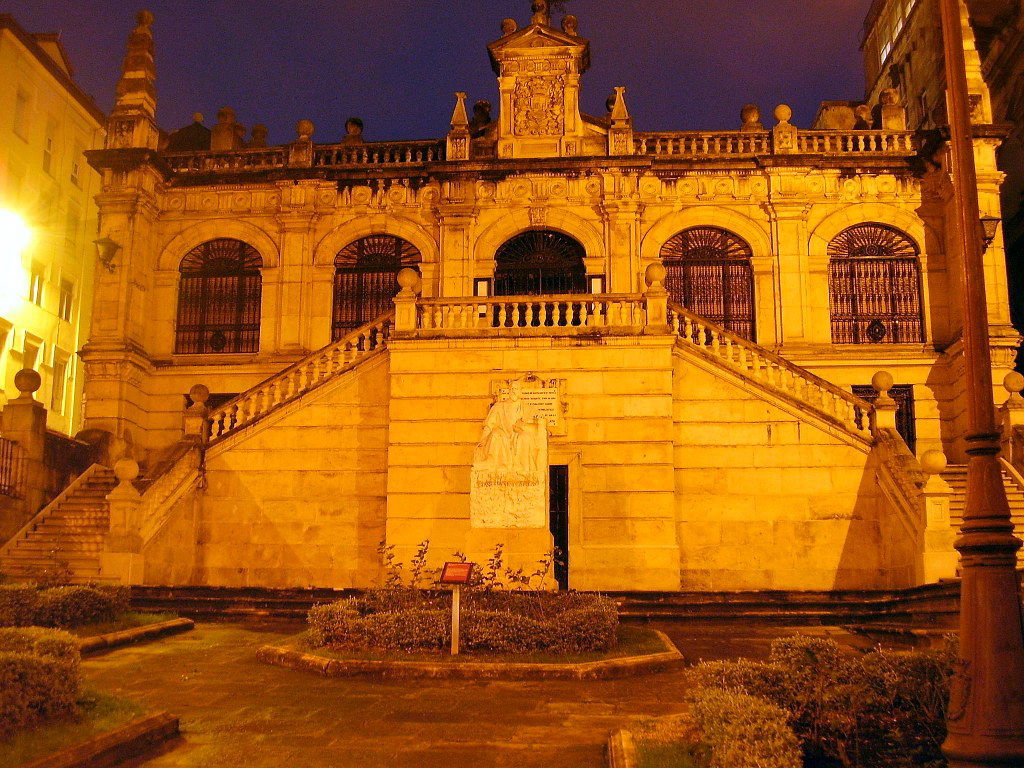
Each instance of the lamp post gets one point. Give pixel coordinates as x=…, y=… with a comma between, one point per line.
x=986, y=710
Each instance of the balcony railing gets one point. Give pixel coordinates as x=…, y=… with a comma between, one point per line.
x=543, y=314
x=240, y=160
x=383, y=153
x=749, y=144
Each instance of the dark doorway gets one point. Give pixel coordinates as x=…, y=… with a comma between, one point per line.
x=559, y=505
x=540, y=262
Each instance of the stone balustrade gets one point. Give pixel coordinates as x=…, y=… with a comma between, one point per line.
x=699, y=144
x=300, y=378
x=542, y=314
x=380, y=153
x=242, y=160
x=769, y=369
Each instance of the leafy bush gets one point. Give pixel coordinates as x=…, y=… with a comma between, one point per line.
x=506, y=622
x=881, y=708
x=39, y=677
x=18, y=604
x=69, y=607
x=743, y=731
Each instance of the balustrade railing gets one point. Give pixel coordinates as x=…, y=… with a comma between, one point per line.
x=381, y=153
x=222, y=162
x=300, y=378
x=855, y=142
x=774, y=371
x=701, y=144
x=526, y=313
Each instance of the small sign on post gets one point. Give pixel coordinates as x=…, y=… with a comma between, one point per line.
x=456, y=575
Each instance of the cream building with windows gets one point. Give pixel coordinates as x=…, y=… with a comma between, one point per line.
x=721, y=360
x=47, y=126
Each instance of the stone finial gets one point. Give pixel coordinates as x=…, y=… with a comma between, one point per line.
x=459, y=135
x=481, y=118
x=224, y=137
x=934, y=462
x=864, y=118
x=620, y=132
x=783, y=114
x=894, y=116
x=199, y=394
x=1013, y=383
x=751, y=117
x=126, y=470
x=304, y=130
x=541, y=12
x=619, y=110
x=460, y=118
x=259, y=136
x=655, y=275
x=784, y=134
x=508, y=26
x=409, y=281
x=353, y=131
x=571, y=25
x=882, y=382
x=132, y=122
x=28, y=382
x=198, y=117
x=194, y=424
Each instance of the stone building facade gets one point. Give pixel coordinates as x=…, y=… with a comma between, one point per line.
x=741, y=346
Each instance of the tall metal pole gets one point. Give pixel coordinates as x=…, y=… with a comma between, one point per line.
x=986, y=713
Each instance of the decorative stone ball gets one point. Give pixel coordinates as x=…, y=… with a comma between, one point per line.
x=145, y=18
x=27, y=381
x=200, y=393
x=655, y=274
x=783, y=113
x=571, y=25
x=889, y=97
x=126, y=470
x=225, y=115
x=409, y=280
x=933, y=462
x=882, y=381
x=198, y=117
x=751, y=114
x=508, y=26
x=304, y=129
x=1013, y=382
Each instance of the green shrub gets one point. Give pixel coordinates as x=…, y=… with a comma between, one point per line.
x=69, y=607
x=18, y=604
x=855, y=710
x=505, y=622
x=39, y=677
x=743, y=731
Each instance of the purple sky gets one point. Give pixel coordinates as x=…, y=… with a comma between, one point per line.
x=687, y=64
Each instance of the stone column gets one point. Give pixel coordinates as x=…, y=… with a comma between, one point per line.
x=121, y=558
x=23, y=420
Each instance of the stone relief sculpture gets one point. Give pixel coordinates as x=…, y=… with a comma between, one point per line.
x=508, y=481
x=539, y=106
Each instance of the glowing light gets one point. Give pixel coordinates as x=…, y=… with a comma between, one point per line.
x=15, y=237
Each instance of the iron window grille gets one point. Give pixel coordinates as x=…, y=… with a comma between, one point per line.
x=219, y=299
x=540, y=262
x=709, y=271
x=874, y=285
x=366, y=280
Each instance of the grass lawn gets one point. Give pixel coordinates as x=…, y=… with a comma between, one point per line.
x=97, y=714
x=632, y=641
x=665, y=756
x=128, y=620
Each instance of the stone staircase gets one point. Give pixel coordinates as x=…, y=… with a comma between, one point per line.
x=956, y=476
x=64, y=541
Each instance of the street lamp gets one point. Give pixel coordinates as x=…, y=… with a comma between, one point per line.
x=989, y=228
x=106, y=250
x=985, y=721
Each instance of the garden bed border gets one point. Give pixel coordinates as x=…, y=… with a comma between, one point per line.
x=134, y=739
x=325, y=666
x=111, y=640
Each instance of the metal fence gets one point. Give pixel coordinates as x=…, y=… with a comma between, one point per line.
x=12, y=469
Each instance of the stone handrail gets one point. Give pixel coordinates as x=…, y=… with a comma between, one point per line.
x=300, y=378
x=696, y=144
x=379, y=153
x=701, y=143
x=158, y=501
x=902, y=463
x=529, y=313
x=777, y=373
x=226, y=162
x=72, y=487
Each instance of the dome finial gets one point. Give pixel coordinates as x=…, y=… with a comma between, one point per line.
x=541, y=12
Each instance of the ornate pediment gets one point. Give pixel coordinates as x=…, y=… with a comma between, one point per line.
x=537, y=39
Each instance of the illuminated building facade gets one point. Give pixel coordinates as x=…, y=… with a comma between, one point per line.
x=47, y=125
x=671, y=341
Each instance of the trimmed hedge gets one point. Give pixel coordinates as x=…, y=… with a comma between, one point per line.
x=18, y=605
x=504, y=622
x=871, y=710
x=68, y=607
x=39, y=677
x=744, y=731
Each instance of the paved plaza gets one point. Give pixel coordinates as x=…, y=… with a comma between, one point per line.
x=237, y=712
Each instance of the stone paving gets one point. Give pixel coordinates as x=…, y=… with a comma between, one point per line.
x=237, y=712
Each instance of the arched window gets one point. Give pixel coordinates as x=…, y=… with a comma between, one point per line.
x=219, y=297
x=366, y=280
x=709, y=273
x=540, y=262
x=874, y=287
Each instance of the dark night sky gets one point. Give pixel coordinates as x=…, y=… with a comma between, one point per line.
x=687, y=64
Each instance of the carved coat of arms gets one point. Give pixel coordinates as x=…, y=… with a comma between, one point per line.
x=539, y=104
